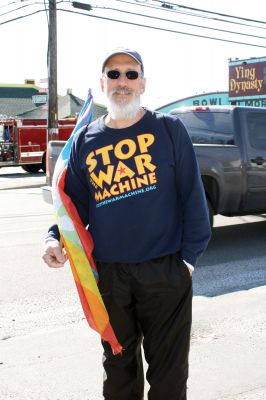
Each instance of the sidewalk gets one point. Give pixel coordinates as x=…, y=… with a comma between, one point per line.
x=227, y=358
x=228, y=352
x=22, y=181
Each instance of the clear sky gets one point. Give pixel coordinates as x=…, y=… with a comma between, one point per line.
x=176, y=65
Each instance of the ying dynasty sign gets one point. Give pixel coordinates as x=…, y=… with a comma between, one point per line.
x=247, y=78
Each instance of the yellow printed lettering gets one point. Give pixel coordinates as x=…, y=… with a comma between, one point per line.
x=144, y=161
x=133, y=183
x=103, y=176
x=122, y=171
x=91, y=162
x=106, y=194
x=152, y=178
x=142, y=181
x=131, y=149
x=98, y=196
x=114, y=190
x=145, y=141
x=124, y=186
x=104, y=151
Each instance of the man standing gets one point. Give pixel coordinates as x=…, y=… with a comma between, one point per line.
x=134, y=180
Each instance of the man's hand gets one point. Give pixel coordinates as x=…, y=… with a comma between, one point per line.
x=54, y=256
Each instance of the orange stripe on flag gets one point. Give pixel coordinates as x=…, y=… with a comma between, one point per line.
x=81, y=266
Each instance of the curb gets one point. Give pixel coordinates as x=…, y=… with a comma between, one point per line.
x=26, y=186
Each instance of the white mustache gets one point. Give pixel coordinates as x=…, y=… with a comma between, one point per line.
x=121, y=90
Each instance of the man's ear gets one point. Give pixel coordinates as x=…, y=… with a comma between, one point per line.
x=143, y=85
x=102, y=84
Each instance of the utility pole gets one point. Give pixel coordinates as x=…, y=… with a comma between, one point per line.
x=52, y=74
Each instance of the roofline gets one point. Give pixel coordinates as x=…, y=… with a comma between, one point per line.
x=19, y=85
x=215, y=108
x=100, y=105
x=249, y=60
x=192, y=97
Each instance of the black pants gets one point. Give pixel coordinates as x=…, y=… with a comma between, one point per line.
x=149, y=302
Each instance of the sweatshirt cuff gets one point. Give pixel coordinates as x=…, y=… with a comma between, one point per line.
x=53, y=233
x=189, y=257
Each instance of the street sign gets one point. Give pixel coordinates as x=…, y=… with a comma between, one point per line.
x=41, y=98
x=43, y=90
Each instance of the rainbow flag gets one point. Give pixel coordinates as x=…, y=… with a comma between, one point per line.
x=78, y=241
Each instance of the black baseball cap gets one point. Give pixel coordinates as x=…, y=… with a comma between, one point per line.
x=132, y=53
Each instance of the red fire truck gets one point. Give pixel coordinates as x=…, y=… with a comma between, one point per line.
x=23, y=142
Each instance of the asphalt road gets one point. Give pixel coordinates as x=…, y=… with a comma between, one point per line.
x=48, y=352
x=235, y=259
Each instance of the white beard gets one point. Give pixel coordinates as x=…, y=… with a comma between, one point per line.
x=121, y=111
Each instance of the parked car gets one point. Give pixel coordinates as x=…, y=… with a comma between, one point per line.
x=230, y=145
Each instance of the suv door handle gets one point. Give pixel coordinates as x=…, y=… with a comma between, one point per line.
x=258, y=160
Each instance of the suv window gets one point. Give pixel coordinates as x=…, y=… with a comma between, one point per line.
x=256, y=123
x=208, y=127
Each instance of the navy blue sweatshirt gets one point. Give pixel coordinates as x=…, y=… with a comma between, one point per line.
x=139, y=190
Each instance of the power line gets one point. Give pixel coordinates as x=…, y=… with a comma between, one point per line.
x=47, y=19
x=44, y=3
x=46, y=11
x=14, y=2
x=140, y=25
x=20, y=17
x=162, y=29
x=136, y=2
x=163, y=4
x=181, y=23
x=210, y=12
x=19, y=8
x=188, y=13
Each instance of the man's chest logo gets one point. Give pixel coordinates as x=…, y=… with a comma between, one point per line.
x=110, y=174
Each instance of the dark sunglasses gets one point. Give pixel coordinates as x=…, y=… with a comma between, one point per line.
x=114, y=74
